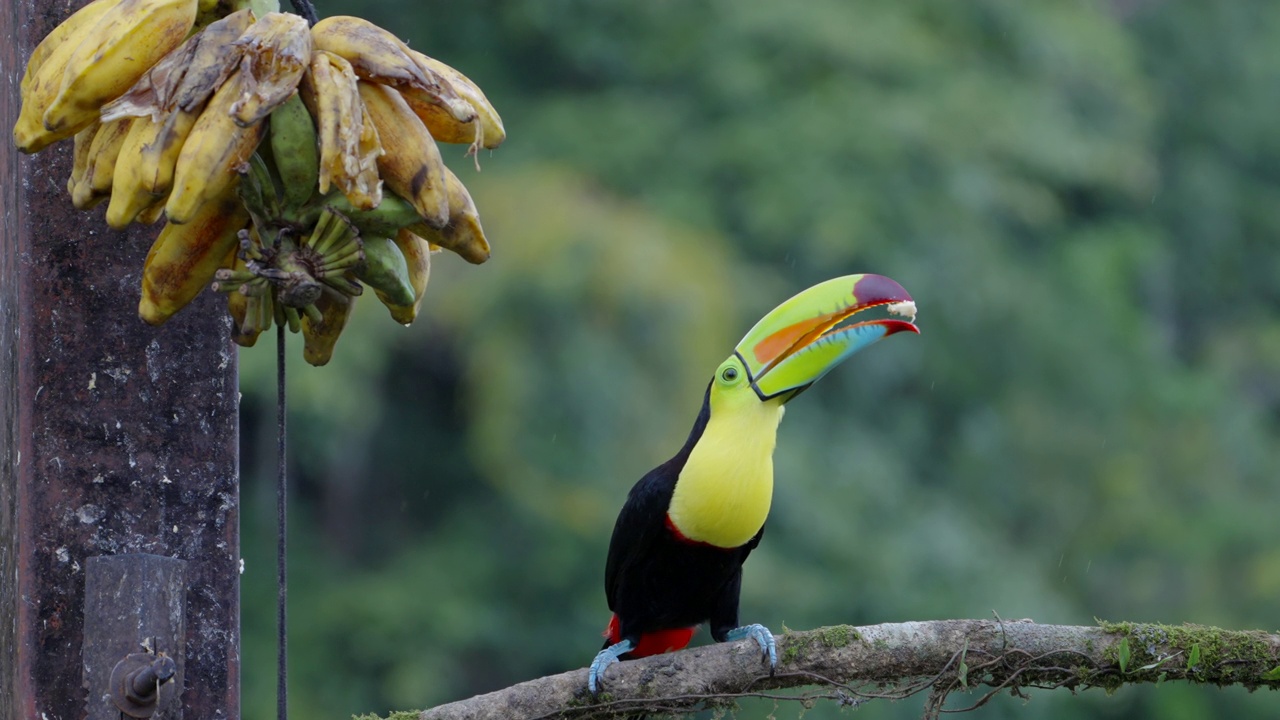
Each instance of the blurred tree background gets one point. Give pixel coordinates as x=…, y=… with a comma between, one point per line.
x=1084, y=199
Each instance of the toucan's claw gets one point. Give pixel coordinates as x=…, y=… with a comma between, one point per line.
x=761, y=635
x=605, y=658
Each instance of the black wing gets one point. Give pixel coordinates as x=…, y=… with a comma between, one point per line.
x=638, y=528
x=642, y=520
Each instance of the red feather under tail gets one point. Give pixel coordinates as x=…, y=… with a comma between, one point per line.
x=654, y=643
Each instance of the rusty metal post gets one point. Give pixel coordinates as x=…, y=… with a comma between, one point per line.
x=114, y=437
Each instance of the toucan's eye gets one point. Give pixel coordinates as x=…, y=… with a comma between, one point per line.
x=730, y=374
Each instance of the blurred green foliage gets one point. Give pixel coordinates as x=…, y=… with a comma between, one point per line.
x=1084, y=199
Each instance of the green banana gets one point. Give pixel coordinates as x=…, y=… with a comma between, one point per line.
x=386, y=271
x=417, y=253
x=294, y=149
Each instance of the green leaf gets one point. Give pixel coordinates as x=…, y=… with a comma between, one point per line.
x=1193, y=659
x=963, y=674
x=1272, y=674
x=1160, y=678
x=1122, y=654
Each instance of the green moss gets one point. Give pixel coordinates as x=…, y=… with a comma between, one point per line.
x=838, y=636
x=791, y=652
x=1195, y=651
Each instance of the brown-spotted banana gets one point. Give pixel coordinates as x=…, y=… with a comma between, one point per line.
x=411, y=165
x=484, y=131
x=463, y=234
x=379, y=56
x=184, y=258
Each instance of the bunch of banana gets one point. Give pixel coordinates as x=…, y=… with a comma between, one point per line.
x=294, y=165
x=92, y=58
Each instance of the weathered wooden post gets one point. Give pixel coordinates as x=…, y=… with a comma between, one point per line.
x=118, y=453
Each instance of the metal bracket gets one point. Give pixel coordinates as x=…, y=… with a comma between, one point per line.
x=134, y=601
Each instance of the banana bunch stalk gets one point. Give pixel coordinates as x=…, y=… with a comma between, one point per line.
x=293, y=165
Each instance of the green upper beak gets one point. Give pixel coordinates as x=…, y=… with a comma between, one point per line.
x=801, y=340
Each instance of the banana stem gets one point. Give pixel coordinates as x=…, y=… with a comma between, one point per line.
x=297, y=288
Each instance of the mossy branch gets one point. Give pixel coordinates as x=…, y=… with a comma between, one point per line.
x=851, y=665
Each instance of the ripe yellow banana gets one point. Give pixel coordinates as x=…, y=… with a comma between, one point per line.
x=68, y=31
x=320, y=335
x=463, y=235
x=277, y=50
x=128, y=197
x=349, y=144
x=184, y=258
x=104, y=152
x=215, y=148
x=411, y=165
x=43, y=78
x=379, y=56
x=122, y=46
x=485, y=130
x=151, y=214
x=238, y=305
x=170, y=97
x=81, y=164
x=417, y=255
x=146, y=164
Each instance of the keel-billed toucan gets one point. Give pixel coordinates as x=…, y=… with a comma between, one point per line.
x=675, y=559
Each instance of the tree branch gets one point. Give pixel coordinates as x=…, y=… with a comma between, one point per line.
x=851, y=665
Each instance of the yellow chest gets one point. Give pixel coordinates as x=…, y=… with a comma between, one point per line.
x=723, y=494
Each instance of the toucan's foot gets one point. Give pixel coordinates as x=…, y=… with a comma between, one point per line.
x=761, y=635
x=609, y=656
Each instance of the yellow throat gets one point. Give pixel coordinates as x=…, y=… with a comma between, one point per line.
x=723, y=494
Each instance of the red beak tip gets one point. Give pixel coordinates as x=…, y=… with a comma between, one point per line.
x=897, y=326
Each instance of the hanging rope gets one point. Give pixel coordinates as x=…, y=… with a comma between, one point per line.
x=306, y=10
x=282, y=703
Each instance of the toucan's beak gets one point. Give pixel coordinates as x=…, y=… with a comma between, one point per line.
x=802, y=339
